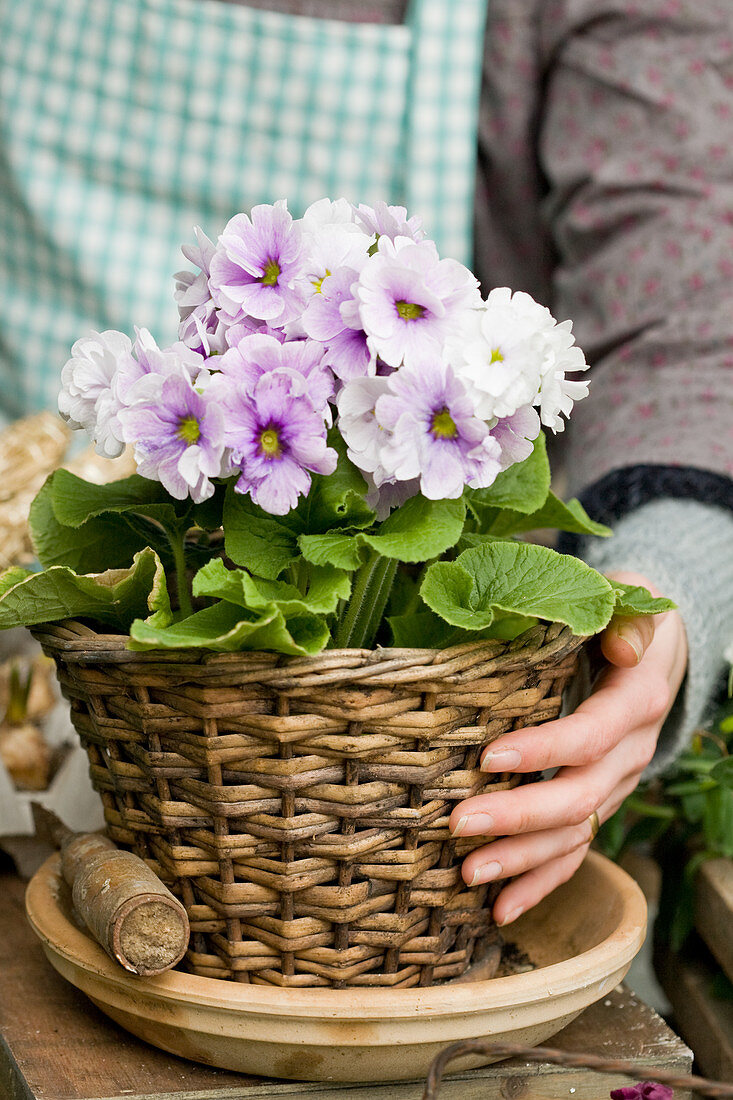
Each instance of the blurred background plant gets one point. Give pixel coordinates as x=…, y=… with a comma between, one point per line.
x=682, y=818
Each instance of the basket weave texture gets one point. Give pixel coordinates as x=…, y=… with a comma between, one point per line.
x=299, y=806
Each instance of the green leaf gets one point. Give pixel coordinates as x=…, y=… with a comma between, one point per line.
x=262, y=543
x=554, y=514
x=100, y=543
x=635, y=600
x=326, y=588
x=12, y=576
x=114, y=597
x=523, y=487
x=209, y=514
x=336, y=500
x=75, y=500
x=521, y=579
x=423, y=630
x=418, y=530
x=343, y=551
x=451, y=592
x=224, y=627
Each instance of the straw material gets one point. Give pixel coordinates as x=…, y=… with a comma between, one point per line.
x=299, y=806
x=30, y=449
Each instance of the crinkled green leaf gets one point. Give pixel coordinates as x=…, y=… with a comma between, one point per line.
x=225, y=627
x=450, y=591
x=422, y=630
x=115, y=596
x=262, y=543
x=523, y=487
x=418, y=530
x=555, y=514
x=338, y=499
x=75, y=501
x=520, y=579
x=10, y=577
x=635, y=600
x=101, y=543
x=343, y=551
x=426, y=630
x=326, y=588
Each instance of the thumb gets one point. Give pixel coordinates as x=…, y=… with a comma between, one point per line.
x=626, y=639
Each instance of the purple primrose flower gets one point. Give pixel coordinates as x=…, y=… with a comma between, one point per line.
x=434, y=434
x=382, y=220
x=201, y=327
x=332, y=317
x=259, y=354
x=411, y=300
x=178, y=438
x=257, y=265
x=276, y=437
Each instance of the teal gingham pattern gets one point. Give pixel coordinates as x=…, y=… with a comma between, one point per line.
x=443, y=102
x=127, y=122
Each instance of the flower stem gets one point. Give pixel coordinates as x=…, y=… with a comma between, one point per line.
x=175, y=537
x=373, y=584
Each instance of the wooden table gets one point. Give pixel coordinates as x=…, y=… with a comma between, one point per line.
x=55, y=1045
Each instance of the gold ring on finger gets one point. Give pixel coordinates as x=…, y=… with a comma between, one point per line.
x=595, y=825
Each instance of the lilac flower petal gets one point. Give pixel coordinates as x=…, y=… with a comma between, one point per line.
x=257, y=265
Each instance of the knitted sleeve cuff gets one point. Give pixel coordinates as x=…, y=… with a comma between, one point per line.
x=686, y=549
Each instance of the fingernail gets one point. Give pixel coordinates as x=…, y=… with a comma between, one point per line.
x=511, y=916
x=629, y=634
x=473, y=825
x=501, y=760
x=487, y=873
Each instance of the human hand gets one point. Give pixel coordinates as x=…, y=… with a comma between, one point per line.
x=540, y=832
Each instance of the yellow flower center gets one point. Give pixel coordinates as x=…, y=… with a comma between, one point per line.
x=409, y=311
x=189, y=430
x=271, y=273
x=270, y=443
x=496, y=356
x=443, y=425
x=317, y=284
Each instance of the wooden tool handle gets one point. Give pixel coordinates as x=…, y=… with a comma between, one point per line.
x=126, y=907
x=123, y=903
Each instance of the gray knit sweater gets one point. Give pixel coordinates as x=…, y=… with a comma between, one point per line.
x=686, y=549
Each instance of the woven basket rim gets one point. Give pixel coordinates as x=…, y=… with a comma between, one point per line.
x=79, y=642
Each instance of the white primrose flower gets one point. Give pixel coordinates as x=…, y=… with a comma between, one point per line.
x=87, y=399
x=512, y=354
x=359, y=427
x=332, y=240
x=557, y=392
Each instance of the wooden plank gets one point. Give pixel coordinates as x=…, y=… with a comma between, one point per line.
x=55, y=1045
x=714, y=910
x=705, y=1022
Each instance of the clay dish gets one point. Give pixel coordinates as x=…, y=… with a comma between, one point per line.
x=582, y=940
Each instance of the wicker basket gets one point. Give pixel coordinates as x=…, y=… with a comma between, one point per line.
x=299, y=806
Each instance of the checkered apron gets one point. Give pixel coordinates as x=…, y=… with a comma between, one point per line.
x=125, y=123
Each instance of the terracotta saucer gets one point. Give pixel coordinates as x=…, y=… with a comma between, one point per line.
x=582, y=940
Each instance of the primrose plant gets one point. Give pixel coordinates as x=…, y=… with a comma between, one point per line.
x=343, y=448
